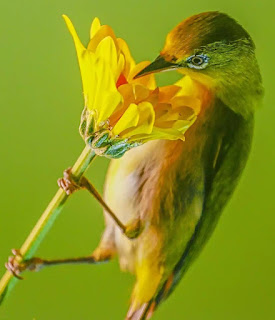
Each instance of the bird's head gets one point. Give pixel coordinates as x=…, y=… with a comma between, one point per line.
x=215, y=50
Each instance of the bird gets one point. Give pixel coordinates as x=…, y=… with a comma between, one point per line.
x=179, y=188
x=175, y=191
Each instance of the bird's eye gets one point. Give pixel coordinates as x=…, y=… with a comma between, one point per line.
x=197, y=61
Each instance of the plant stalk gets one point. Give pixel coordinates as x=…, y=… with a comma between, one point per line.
x=46, y=221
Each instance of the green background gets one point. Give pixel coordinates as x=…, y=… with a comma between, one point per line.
x=41, y=102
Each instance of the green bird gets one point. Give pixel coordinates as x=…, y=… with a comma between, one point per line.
x=217, y=52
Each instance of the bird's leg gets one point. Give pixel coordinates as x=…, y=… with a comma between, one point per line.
x=132, y=230
x=36, y=264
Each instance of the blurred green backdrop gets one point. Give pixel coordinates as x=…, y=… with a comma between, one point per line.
x=41, y=102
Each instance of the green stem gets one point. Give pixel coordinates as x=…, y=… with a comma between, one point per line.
x=46, y=221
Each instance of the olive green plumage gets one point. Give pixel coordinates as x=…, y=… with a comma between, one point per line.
x=216, y=51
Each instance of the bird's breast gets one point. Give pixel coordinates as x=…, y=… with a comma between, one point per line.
x=136, y=179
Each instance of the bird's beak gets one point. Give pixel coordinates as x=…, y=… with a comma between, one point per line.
x=159, y=65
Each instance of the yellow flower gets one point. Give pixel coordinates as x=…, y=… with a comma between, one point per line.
x=120, y=112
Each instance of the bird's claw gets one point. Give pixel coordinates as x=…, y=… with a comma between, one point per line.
x=68, y=183
x=13, y=265
x=133, y=229
x=16, y=265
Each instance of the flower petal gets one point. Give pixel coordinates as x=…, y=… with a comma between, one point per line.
x=140, y=93
x=146, y=121
x=105, y=97
x=168, y=92
x=182, y=125
x=188, y=87
x=95, y=26
x=106, y=51
x=103, y=32
x=78, y=45
x=130, y=62
x=188, y=101
x=159, y=133
x=146, y=118
x=129, y=119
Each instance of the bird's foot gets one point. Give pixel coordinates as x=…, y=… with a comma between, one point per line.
x=102, y=254
x=68, y=182
x=16, y=265
x=133, y=229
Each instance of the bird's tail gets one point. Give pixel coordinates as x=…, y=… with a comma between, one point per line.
x=139, y=313
x=146, y=310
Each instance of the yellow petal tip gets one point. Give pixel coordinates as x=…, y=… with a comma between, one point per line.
x=67, y=19
x=95, y=26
